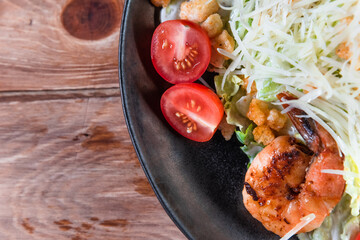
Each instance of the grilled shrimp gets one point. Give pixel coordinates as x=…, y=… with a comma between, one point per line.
x=285, y=181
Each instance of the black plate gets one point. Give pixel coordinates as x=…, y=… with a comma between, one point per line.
x=198, y=184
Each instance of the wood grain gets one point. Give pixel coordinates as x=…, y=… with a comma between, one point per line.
x=38, y=53
x=68, y=171
x=67, y=166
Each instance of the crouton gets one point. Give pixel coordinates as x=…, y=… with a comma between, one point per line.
x=258, y=111
x=213, y=25
x=160, y=3
x=198, y=10
x=263, y=134
x=276, y=120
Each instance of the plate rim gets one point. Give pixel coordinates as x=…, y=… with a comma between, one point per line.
x=121, y=77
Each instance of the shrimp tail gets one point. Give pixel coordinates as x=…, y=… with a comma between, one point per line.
x=307, y=127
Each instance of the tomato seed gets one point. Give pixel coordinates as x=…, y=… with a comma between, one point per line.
x=189, y=130
x=190, y=125
x=165, y=44
x=183, y=65
x=177, y=65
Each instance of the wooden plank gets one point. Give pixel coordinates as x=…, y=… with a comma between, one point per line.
x=28, y=96
x=47, y=45
x=68, y=171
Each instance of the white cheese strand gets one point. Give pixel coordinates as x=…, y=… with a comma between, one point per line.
x=303, y=222
x=340, y=172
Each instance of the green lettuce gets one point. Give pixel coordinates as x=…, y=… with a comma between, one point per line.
x=230, y=94
x=268, y=90
x=236, y=104
x=231, y=86
x=352, y=184
x=250, y=148
x=247, y=136
x=351, y=228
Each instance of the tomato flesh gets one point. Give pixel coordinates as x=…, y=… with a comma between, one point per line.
x=180, y=51
x=193, y=110
x=358, y=237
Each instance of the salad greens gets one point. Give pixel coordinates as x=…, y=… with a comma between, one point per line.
x=250, y=147
x=268, y=90
x=247, y=136
x=236, y=104
x=231, y=95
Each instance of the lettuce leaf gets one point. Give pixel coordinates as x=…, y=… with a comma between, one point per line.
x=352, y=184
x=234, y=115
x=231, y=86
x=267, y=90
x=230, y=95
x=247, y=136
x=250, y=148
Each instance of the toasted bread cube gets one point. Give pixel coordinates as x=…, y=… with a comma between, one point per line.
x=213, y=25
x=253, y=89
x=224, y=41
x=258, y=111
x=160, y=3
x=276, y=120
x=198, y=10
x=263, y=134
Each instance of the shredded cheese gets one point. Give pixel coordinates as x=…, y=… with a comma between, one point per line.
x=225, y=53
x=339, y=172
x=303, y=222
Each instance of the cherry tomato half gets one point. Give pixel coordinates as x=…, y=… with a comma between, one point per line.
x=358, y=237
x=180, y=51
x=193, y=110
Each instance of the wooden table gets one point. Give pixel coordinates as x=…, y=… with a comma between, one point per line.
x=68, y=169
